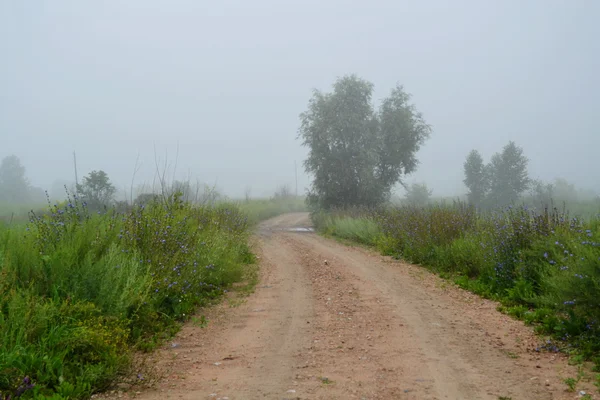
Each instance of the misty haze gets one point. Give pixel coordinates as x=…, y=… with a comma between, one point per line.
x=307, y=199
x=225, y=84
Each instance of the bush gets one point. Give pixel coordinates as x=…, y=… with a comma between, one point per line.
x=78, y=290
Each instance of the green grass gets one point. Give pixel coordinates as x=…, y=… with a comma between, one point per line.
x=80, y=292
x=362, y=230
x=259, y=210
x=17, y=213
x=543, y=266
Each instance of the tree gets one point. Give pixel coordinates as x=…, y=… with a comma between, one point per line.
x=476, y=178
x=418, y=194
x=541, y=193
x=508, y=175
x=97, y=190
x=14, y=187
x=357, y=154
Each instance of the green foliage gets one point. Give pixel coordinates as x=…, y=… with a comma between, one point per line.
x=571, y=384
x=96, y=189
x=356, y=154
x=261, y=209
x=476, y=178
x=418, y=194
x=363, y=229
x=541, y=265
x=79, y=290
x=14, y=187
x=508, y=175
x=499, y=183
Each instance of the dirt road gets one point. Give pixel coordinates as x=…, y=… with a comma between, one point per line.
x=328, y=321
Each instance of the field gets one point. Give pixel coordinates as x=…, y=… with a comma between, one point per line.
x=543, y=266
x=262, y=209
x=80, y=291
x=17, y=213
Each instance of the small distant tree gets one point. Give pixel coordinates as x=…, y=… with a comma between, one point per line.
x=96, y=189
x=476, y=178
x=356, y=154
x=508, y=175
x=418, y=194
x=14, y=186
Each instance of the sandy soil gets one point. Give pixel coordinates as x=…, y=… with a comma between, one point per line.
x=329, y=321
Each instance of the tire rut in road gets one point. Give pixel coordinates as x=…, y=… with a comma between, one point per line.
x=247, y=352
x=446, y=343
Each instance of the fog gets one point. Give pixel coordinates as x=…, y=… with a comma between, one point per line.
x=219, y=86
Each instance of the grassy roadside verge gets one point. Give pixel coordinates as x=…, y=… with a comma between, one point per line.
x=262, y=209
x=543, y=267
x=81, y=291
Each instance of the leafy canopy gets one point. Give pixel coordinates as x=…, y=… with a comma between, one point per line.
x=418, y=194
x=356, y=154
x=476, y=178
x=508, y=175
x=502, y=181
x=97, y=189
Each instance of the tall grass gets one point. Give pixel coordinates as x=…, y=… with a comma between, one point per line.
x=543, y=265
x=361, y=226
x=79, y=290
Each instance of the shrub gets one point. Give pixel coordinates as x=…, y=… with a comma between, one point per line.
x=78, y=290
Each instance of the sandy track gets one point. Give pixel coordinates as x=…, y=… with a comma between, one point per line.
x=329, y=321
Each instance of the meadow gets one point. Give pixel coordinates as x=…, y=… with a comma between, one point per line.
x=16, y=213
x=543, y=266
x=81, y=290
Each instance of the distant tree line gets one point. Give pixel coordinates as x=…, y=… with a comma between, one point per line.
x=501, y=181
x=505, y=180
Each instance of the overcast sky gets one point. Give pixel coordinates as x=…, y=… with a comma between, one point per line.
x=227, y=80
